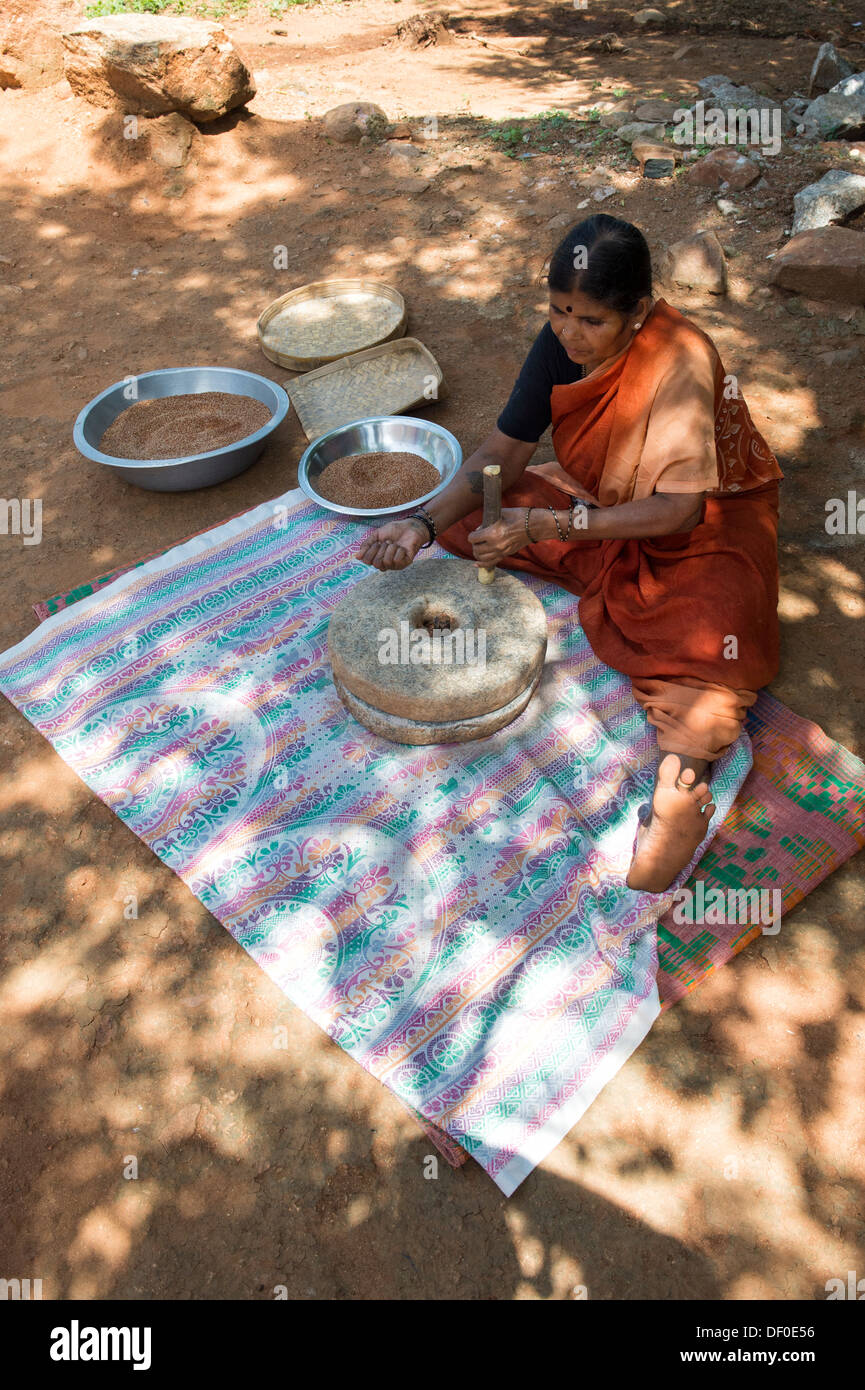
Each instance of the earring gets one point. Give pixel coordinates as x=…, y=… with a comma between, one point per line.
x=636, y=326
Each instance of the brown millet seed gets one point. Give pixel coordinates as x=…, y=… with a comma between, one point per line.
x=384, y=479
x=171, y=427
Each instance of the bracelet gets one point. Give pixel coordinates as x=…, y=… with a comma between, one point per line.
x=429, y=526
x=552, y=509
x=570, y=517
x=430, y=521
x=528, y=532
x=423, y=516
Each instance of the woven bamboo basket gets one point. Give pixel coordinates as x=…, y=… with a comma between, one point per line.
x=344, y=334
x=389, y=379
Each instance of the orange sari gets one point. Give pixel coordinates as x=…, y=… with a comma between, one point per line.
x=692, y=617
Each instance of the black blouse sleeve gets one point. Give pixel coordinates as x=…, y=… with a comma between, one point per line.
x=527, y=413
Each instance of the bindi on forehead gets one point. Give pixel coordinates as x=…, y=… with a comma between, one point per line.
x=589, y=310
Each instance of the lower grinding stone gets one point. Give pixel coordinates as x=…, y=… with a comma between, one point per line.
x=437, y=701
x=401, y=730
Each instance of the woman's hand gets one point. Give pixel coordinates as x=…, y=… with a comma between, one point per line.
x=393, y=546
x=505, y=537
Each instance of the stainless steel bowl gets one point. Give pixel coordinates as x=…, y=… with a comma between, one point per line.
x=381, y=434
x=194, y=470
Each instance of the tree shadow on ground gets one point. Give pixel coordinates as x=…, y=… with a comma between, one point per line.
x=154, y=1037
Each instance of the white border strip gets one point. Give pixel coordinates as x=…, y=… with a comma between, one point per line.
x=544, y=1140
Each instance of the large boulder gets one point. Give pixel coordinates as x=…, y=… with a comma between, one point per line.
x=31, y=54
x=828, y=263
x=836, y=196
x=153, y=64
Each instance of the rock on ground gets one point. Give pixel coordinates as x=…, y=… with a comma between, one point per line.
x=721, y=91
x=840, y=113
x=606, y=43
x=661, y=157
x=828, y=69
x=612, y=120
x=852, y=86
x=796, y=107
x=650, y=19
x=830, y=199
x=584, y=111
x=154, y=64
x=640, y=130
x=169, y=139
x=656, y=111
x=353, y=119
x=828, y=263
x=401, y=188
x=422, y=30
x=697, y=261
x=725, y=166
x=403, y=149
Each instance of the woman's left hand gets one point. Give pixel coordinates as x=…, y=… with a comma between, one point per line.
x=491, y=544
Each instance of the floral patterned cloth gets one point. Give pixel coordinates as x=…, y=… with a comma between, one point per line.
x=455, y=917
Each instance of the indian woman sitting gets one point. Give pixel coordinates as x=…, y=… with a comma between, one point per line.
x=660, y=513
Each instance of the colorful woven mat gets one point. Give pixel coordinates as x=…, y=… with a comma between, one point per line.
x=798, y=816
x=455, y=917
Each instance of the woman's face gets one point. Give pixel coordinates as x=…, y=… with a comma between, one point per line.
x=588, y=331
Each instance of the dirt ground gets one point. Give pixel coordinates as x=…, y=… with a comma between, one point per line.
x=726, y=1160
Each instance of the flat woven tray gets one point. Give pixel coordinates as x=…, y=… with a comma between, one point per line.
x=386, y=380
x=329, y=319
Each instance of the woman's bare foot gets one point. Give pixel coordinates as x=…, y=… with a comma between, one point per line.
x=682, y=807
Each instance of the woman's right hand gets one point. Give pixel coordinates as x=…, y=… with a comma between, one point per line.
x=393, y=546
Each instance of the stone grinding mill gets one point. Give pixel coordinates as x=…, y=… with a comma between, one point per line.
x=439, y=652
